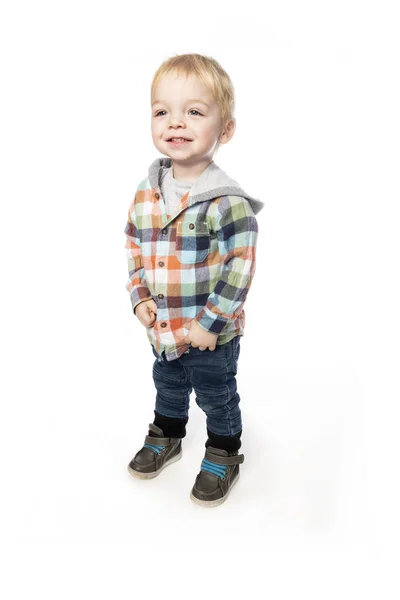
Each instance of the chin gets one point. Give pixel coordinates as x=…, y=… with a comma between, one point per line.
x=165, y=153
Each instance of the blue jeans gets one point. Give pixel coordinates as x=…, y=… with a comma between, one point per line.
x=212, y=375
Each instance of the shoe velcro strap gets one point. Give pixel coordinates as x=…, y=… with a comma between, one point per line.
x=157, y=441
x=224, y=460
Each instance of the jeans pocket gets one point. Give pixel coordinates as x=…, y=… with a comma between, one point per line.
x=236, y=347
x=233, y=351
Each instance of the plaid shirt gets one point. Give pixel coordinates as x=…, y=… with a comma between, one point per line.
x=197, y=263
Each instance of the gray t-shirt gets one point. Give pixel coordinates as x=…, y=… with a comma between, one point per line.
x=173, y=190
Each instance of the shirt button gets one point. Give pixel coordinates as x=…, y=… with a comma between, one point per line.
x=191, y=226
x=161, y=296
x=164, y=231
x=157, y=196
x=163, y=324
x=161, y=264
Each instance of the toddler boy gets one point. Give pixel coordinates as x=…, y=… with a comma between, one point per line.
x=191, y=245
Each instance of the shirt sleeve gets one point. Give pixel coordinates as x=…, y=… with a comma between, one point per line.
x=237, y=231
x=136, y=284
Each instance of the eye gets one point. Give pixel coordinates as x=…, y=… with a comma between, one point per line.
x=193, y=110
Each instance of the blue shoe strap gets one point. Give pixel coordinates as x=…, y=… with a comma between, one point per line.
x=213, y=468
x=157, y=449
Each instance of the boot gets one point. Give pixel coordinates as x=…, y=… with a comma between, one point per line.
x=219, y=473
x=158, y=452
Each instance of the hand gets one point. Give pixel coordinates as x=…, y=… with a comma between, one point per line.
x=200, y=338
x=146, y=312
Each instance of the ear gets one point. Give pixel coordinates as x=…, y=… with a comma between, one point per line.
x=227, y=131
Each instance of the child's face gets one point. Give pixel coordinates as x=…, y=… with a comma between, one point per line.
x=182, y=107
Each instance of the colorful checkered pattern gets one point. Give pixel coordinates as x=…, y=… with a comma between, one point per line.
x=195, y=264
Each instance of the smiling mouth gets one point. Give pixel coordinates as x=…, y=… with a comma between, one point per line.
x=178, y=139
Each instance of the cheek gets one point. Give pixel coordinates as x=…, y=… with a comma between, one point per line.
x=208, y=135
x=155, y=129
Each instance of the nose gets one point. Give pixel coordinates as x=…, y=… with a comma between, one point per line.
x=176, y=122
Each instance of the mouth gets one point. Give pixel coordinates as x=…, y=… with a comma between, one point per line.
x=178, y=140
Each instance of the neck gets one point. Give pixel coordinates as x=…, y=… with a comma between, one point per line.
x=185, y=172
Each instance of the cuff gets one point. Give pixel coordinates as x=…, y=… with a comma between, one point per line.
x=139, y=294
x=210, y=322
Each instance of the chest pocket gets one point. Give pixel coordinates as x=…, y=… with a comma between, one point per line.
x=192, y=241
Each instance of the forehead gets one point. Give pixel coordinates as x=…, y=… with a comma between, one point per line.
x=179, y=87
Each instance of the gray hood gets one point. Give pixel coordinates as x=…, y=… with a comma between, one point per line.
x=212, y=183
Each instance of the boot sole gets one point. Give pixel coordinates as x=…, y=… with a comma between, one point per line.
x=139, y=475
x=212, y=503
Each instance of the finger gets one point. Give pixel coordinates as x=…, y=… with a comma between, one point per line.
x=212, y=348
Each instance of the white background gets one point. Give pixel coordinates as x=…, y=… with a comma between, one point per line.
x=315, y=513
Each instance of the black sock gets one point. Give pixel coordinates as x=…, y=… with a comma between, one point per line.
x=171, y=427
x=230, y=443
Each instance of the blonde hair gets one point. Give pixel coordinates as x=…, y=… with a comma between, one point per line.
x=210, y=73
